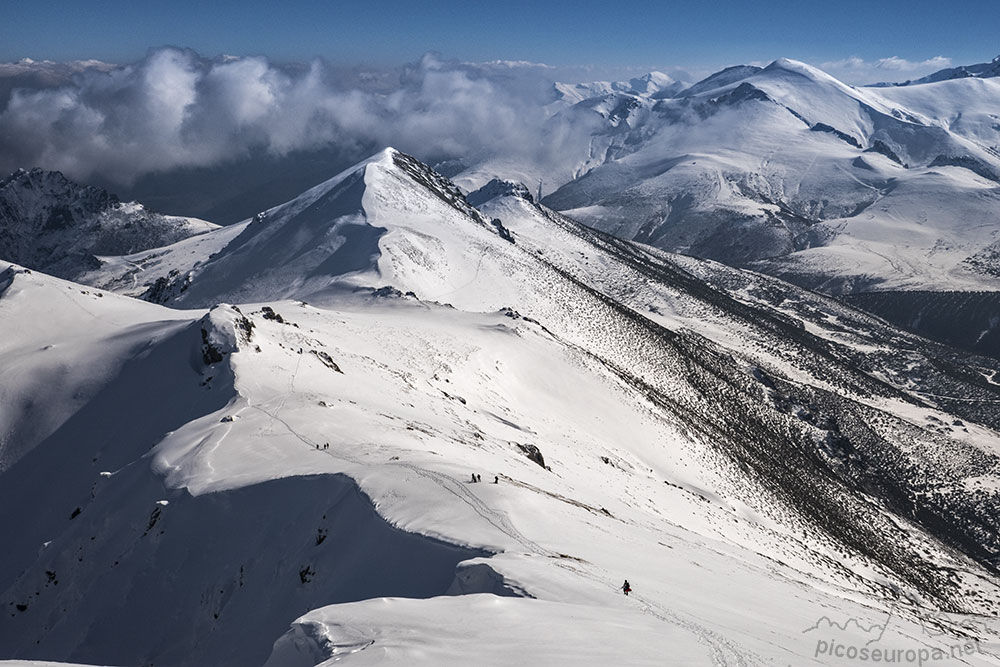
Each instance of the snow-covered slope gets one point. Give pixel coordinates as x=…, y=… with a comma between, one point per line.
x=62, y=343
x=51, y=224
x=725, y=441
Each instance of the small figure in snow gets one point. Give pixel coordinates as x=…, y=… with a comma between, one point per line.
x=473, y=478
x=626, y=587
x=496, y=479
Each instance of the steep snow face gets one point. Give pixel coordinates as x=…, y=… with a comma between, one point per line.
x=965, y=107
x=721, y=439
x=62, y=344
x=51, y=224
x=756, y=164
x=656, y=84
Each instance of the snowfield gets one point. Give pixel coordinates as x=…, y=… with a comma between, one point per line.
x=274, y=467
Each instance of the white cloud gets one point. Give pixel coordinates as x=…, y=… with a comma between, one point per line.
x=175, y=109
x=892, y=69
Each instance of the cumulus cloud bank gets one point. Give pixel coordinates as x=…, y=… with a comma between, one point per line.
x=175, y=109
x=860, y=71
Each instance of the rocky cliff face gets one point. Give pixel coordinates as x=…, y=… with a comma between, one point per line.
x=52, y=224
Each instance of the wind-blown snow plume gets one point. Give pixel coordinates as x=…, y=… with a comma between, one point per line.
x=176, y=109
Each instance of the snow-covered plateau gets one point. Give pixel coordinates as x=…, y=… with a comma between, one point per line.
x=269, y=458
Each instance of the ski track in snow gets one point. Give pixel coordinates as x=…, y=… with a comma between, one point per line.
x=134, y=276
x=496, y=518
x=924, y=395
x=725, y=653
x=474, y=278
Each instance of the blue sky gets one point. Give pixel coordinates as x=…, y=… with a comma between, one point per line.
x=607, y=33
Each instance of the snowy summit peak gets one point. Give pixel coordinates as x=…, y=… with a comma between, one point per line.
x=385, y=155
x=407, y=170
x=797, y=67
x=651, y=83
x=336, y=232
x=383, y=158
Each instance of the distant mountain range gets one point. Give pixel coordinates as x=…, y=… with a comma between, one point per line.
x=782, y=169
x=792, y=172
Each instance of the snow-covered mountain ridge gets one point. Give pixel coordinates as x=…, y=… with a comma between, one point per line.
x=693, y=427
